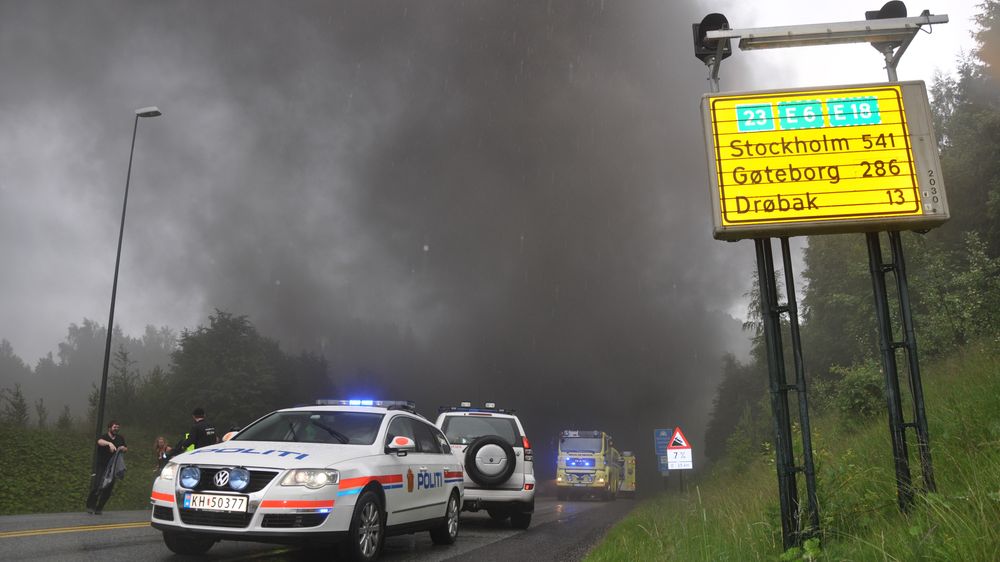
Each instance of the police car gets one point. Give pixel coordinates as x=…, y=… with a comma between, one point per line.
x=346, y=472
x=497, y=458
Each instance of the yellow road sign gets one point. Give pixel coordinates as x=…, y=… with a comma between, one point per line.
x=839, y=159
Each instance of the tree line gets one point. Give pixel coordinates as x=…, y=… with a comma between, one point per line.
x=226, y=367
x=953, y=272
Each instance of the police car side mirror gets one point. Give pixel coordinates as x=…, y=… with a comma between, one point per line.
x=229, y=436
x=401, y=445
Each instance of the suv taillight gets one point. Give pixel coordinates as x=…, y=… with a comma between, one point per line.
x=527, y=448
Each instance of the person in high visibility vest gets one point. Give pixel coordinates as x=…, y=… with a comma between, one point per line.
x=202, y=433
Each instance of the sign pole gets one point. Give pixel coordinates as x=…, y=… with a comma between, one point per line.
x=788, y=498
x=916, y=387
x=800, y=387
x=888, y=347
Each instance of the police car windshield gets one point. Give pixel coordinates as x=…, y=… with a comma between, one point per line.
x=462, y=430
x=580, y=444
x=340, y=428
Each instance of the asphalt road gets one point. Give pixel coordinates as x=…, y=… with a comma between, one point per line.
x=560, y=530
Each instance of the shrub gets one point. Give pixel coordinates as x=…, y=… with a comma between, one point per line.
x=859, y=394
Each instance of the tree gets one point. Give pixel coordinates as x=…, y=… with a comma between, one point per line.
x=229, y=369
x=153, y=397
x=837, y=306
x=737, y=400
x=12, y=368
x=967, y=115
x=123, y=383
x=65, y=421
x=41, y=412
x=15, y=407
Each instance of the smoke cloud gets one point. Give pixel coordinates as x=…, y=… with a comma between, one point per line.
x=462, y=200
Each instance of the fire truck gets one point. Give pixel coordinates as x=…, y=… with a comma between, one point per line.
x=628, y=474
x=588, y=464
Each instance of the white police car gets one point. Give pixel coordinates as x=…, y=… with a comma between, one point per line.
x=497, y=458
x=344, y=472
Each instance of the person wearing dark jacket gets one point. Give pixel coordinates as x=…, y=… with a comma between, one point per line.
x=202, y=433
x=110, y=447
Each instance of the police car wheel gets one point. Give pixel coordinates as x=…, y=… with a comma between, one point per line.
x=481, y=473
x=447, y=531
x=187, y=545
x=367, y=532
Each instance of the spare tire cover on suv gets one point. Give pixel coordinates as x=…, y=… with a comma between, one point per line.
x=490, y=460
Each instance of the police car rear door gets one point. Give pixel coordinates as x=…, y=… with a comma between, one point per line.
x=423, y=475
x=437, y=460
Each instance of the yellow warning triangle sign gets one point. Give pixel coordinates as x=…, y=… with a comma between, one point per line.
x=678, y=441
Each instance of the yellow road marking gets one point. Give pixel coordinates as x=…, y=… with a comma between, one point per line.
x=77, y=529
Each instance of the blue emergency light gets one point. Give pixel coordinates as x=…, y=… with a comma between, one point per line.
x=404, y=404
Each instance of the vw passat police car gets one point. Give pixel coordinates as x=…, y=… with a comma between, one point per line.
x=344, y=472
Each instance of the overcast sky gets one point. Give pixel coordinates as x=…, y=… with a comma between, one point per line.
x=490, y=178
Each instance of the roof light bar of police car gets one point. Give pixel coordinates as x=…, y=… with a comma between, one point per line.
x=866, y=31
x=405, y=404
x=467, y=407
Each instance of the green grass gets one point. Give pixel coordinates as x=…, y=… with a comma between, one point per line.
x=732, y=513
x=47, y=471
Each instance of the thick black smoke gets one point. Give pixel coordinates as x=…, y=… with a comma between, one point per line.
x=450, y=200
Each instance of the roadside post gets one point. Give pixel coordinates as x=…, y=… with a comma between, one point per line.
x=811, y=161
x=679, y=456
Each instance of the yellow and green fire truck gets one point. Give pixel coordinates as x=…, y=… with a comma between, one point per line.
x=628, y=474
x=588, y=464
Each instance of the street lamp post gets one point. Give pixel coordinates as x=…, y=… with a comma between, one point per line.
x=151, y=111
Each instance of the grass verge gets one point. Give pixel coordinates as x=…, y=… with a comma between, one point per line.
x=48, y=471
x=732, y=513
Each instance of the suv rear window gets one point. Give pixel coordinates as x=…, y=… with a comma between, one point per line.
x=462, y=430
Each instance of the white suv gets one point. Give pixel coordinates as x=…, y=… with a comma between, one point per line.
x=499, y=469
x=342, y=471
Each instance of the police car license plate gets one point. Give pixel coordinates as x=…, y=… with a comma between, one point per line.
x=213, y=502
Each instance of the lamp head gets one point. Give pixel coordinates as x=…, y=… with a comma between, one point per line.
x=705, y=48
x=151, y=111
x=892, y=9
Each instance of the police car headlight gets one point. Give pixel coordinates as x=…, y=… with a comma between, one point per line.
x=313, y=479
x=190, y=476
x=168, y=471
x=239, y=478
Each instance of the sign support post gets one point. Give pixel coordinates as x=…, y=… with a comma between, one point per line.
x=793, y=530
x=888, y=347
